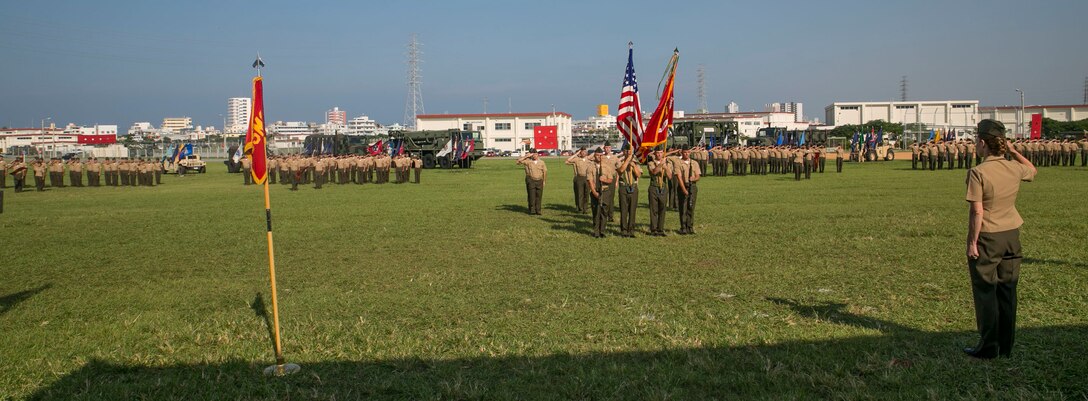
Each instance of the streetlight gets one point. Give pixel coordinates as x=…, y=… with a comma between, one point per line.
x=54, y=138
x=1020, y=116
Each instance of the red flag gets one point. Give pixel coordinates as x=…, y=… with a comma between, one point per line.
x=657, y=130
x=255, y=148
x=1036, y=126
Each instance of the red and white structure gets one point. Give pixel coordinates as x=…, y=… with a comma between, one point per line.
x=504, y=131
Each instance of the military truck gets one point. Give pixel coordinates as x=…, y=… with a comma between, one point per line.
x=189, y=164
x=426, y=144
x=715, y=132
x=885, y=151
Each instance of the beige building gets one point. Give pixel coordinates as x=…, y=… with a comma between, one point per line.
x=934, y=114
x=176, y=125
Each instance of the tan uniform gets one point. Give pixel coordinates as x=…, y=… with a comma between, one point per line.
x=535, y=173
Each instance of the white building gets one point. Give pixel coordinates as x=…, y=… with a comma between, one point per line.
x=946, y=114
x=362, y=125
x=237, y=115
x=732, y=107
x=606, y=121
x=140, y=129
x=503, y=131
x=1008, y=115
x=291, y=134
x=54, y=141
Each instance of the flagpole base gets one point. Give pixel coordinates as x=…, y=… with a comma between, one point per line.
x=282, y=370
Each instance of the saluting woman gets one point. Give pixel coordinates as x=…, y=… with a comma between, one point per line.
x=993, y=238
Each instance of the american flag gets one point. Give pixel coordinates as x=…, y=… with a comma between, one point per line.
x=629, y=116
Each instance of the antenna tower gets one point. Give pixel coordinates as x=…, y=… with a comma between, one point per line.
x=902, y=89
x=414, y=104
x=701, y=77
x=1085, y=90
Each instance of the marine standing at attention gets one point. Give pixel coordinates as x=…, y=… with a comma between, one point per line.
x=629, y=173
x=599, y=183
x=582, y=169
x=993, y=239
x=536, y=174
x=687, y=175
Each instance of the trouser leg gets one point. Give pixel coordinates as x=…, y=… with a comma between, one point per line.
x=838, y=165
x=39, y=183
x=797, y=171
x=624, y=216
x=580, y=189
x=598, y=216
x=657, y=202
x=609, y=195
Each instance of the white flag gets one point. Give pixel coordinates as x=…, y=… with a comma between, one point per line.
x=446, y=149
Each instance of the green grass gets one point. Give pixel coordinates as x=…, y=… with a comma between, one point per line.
x=846, y=286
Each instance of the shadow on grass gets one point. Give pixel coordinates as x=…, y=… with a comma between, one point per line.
x=7, y=302
x=514, y=208
x=562, y=208
x=1056, y=262
x=261, y=310
x=904, y=364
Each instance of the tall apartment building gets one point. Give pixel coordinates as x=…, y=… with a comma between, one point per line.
x=788, y=107
x=237, y=115
x=336, y=116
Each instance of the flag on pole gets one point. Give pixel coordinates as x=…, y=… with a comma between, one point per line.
x=469, y=146
x=375, y=149
x=255, y=136
x=629, y=116
x=657, y=130
x=446, y=149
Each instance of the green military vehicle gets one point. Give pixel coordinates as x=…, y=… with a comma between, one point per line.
x=428, y=145
x=692, y=132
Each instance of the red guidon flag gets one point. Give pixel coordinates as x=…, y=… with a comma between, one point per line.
x=657, y=130
x=255, y=148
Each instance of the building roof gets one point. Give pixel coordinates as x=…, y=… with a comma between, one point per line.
x=491, y=115
x=1035, y=106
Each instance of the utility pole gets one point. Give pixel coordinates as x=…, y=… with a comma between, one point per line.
x=485, y=104
x=1085, y=90
x=1020, y=116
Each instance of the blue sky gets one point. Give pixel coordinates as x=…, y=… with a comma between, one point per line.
x=120, y=62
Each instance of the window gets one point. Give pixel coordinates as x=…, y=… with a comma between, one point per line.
x=23, y=138
x=502, y=126
x=479, y=128
x=466, y=127
x=848, y=107
x=905, y=107
x=961, y=106
x=504, y=139
x=531, y=125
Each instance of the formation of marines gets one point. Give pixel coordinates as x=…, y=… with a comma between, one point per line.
x=341, y=170
x=762, y=160
x=960, y=154
x=112, y=172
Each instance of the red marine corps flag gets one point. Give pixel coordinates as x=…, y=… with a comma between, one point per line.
x=657, y=130
x=256, y=142
x=256, y=150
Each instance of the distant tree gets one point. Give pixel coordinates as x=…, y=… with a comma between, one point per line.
x=1055, y=129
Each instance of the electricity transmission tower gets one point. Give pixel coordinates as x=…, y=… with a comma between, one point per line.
x=903, y=89
x=1085, y=90
x=701, y=76
x=414, y=103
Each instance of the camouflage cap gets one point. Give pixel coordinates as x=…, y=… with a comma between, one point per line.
x=991, y=127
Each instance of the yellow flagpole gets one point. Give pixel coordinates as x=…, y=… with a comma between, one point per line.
x=281, y=367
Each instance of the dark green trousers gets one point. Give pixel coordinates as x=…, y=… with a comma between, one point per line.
x=993, y=284
x=628, y=206
x=658, y=199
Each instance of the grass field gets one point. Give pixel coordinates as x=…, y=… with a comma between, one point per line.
x=847, y=286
